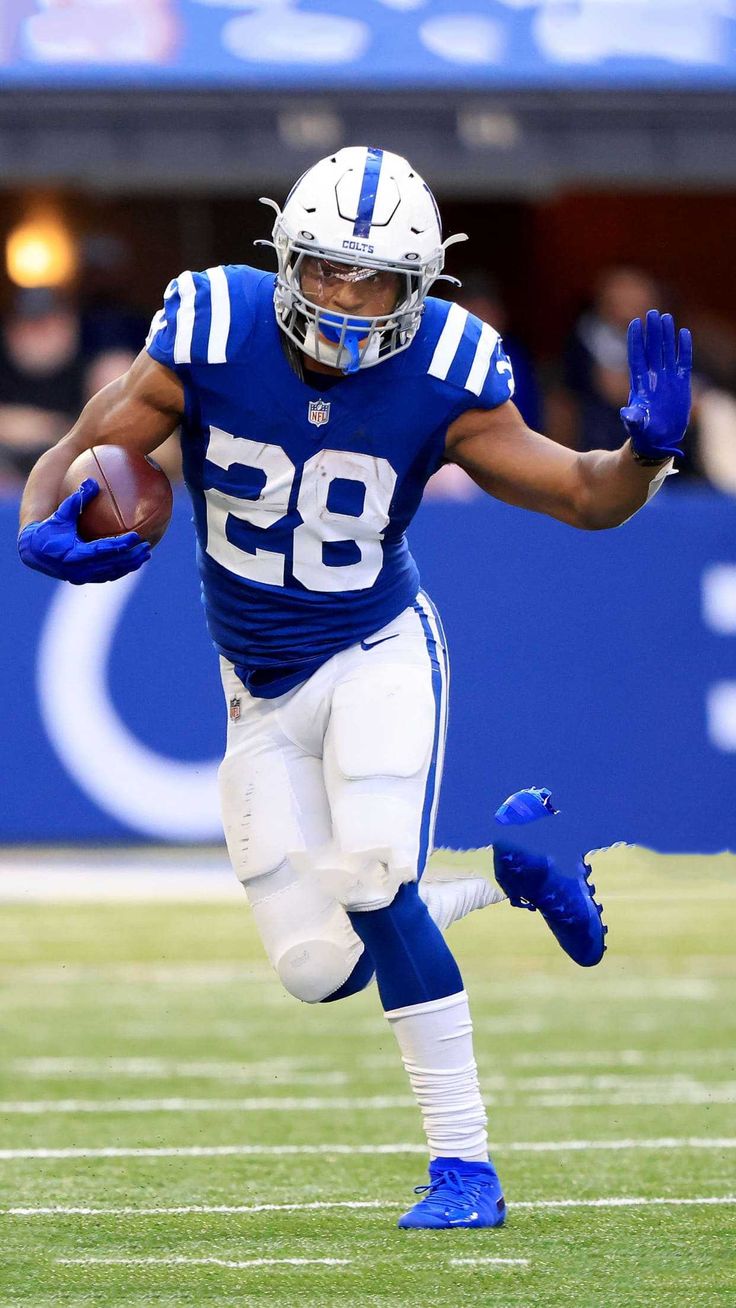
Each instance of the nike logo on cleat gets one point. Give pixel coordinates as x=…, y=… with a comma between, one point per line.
x=365, y=644
x=456, y=1221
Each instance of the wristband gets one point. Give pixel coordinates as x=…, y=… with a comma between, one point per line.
x=645, y=462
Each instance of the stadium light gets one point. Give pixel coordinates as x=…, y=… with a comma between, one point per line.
x=40, y=252
x=489, y=129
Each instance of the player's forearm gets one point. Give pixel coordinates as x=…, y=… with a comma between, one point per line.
x=613, y=486
x=43, y=488
x=139, y=410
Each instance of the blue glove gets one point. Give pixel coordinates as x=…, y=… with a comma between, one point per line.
x=53, y=546
x=659, y=404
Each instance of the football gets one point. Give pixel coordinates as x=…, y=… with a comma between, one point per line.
x=135, y=493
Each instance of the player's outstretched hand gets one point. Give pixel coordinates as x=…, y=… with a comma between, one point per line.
x=54, y=546
x=660, y=365
x=659, y=404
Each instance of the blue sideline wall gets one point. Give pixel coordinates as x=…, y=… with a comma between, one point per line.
x=602, y=665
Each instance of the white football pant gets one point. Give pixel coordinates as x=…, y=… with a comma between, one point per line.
x=329, y=794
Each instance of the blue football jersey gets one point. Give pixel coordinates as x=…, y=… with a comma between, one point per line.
x=302, y=495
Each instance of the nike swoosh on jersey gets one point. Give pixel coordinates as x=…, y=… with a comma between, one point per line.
x=365, y=644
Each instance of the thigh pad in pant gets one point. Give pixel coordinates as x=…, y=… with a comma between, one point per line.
x=377, y=760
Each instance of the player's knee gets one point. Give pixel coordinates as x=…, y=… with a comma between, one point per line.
x=360, y=977
x=313, y=969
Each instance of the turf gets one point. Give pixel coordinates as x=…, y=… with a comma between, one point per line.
x=125, y=1006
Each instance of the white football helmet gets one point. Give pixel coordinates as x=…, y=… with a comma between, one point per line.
x=362, y=209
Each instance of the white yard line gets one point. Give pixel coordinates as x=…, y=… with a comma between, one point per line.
x=489, y=1262
x=626, y=988
x=150, y=973
x=627, y=1202
x=282, y=1104
x=161, y=1069
x=184, y=1210
x=214, y=1151
x=649, y=1059
x=653, y=1098
x=176, y=1261
x=614, y=1058
x=664, y=1143
x=645, y=1095
x=289, y=1072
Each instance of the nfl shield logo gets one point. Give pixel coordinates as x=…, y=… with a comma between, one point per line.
x=319, y=412
x=235, y=709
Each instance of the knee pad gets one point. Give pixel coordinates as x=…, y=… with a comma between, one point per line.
x=360, y=977
x=312, y=969
x=306, y=934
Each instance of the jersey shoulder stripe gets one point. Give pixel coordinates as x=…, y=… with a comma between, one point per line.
x=487, y=342
x=468, y=355
x=448, y=342
x=206, y=316
x=220, y=315
x=184, y=329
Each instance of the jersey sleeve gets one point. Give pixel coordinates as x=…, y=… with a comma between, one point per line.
x=469, y=357
x=205, y=317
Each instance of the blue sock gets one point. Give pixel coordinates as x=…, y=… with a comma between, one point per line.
x=360, y=977
x=413, y=964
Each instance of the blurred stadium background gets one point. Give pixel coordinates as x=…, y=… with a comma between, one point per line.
x=588, y=147
x=588, y=150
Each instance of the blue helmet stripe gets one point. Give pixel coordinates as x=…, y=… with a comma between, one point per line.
x=368, y=189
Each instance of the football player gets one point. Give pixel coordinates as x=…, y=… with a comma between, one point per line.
x=314, y=405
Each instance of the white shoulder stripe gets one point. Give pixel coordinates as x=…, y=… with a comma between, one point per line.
x=450, y=337
x=184, y=319
x=220, y=320
x=158, y=322
x=482, y=361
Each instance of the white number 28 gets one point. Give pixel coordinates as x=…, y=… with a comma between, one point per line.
x=320, y=525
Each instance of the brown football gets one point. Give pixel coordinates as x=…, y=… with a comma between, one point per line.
x=135, y=494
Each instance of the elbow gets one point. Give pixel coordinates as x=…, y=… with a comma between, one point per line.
x=592, y=516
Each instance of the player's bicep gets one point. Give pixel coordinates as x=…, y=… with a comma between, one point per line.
x=139, y=410
x=515, y=464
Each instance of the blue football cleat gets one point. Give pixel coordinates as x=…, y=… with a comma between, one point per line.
x=459, y=1194
x=565, y=902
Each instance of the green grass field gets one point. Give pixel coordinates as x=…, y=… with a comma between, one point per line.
x=159, y=1027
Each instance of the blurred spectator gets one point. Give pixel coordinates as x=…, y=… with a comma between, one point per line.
x=595, y=363
x=714, y=420
x=108, y=323
x=481, y=296
x=713, y=423
x=596, y=371
x=106, y=368
x=41, y=377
